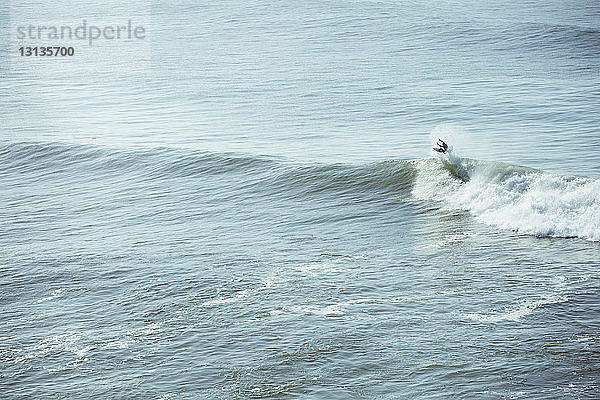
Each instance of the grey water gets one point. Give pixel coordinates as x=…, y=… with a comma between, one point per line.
x=245, y=203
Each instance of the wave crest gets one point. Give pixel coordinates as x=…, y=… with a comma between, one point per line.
x=502, y=195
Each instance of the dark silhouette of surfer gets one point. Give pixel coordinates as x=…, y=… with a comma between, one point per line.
x=442, y=146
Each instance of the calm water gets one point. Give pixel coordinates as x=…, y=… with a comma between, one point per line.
x=245, y=203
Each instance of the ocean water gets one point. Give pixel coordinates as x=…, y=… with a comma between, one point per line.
x=245, y=204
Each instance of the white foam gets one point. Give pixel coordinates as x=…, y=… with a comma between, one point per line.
x=314, y=269
x=55, y=295
x=225, y=300
x=330, y=310
x=535, y=203
x=522, y=310
x=66, y=342
x=118, y=344
x=336, y=309
x=512, y=197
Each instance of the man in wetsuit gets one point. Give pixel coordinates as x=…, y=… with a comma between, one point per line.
x=442, y=146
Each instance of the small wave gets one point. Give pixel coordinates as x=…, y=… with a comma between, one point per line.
x=276, y=175
x=563, y=40
x=163, y=162
x=565, y=37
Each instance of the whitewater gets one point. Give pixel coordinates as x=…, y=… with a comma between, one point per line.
x=512, y=197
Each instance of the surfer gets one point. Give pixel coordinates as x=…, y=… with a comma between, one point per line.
x=442, y=146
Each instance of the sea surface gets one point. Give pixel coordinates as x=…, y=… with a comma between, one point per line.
x=245, y=203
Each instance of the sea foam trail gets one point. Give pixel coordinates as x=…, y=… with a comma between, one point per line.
x=512, y=197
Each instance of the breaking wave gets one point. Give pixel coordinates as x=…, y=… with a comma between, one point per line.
x=507, y=196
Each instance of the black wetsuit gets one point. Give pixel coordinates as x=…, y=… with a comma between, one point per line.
x=442, y=146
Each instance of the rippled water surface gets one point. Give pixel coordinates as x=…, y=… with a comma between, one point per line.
x=245, y=204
